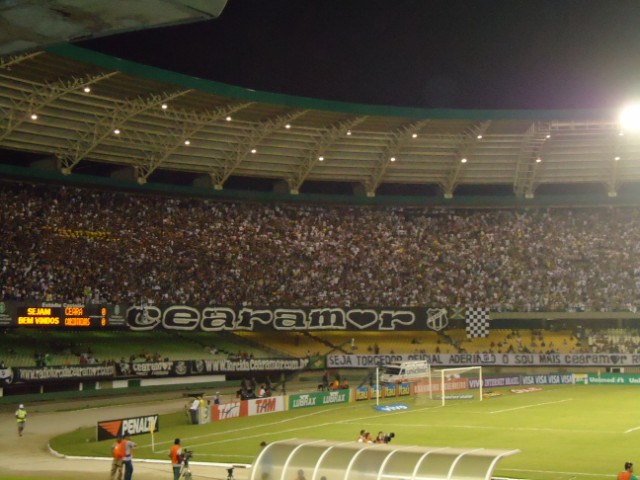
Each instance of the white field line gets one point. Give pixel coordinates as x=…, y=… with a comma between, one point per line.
x=295, y=419
x=279, y=423
x=356, y=421
x=533, y=405
x=575, y=474
x=632, y=430
x=491, y=427
x=214, y=434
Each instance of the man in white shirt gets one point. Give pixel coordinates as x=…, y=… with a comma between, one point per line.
x=193, y=410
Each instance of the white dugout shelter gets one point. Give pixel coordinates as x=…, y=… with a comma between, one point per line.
x=330, y=460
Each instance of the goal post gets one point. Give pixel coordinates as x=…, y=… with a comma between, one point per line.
x=457, y=380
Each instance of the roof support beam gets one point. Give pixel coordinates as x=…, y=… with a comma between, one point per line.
x=399, y=138
x=527, y=164
x=620, y=154
x=249, y=142
x=469, y=137
x=7, y=62
x=328, y=137
x=94, y=134
x=166, y=145
x=36, y=100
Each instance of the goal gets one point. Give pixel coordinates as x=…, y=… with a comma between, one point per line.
x=462, y=383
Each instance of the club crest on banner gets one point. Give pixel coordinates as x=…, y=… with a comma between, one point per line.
x=437, y=318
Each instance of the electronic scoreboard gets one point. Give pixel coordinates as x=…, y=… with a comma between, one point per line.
x=89, y=317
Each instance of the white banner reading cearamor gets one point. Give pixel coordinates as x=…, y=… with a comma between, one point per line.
x=490, y=359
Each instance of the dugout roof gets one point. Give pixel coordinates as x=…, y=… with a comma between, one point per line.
x=75, y=105
x=321, y=459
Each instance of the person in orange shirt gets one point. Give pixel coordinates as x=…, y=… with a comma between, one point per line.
x=627, y=474
x=117, y=451
x=176, y=458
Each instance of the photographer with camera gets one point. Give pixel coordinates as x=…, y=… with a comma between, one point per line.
x=177, y=457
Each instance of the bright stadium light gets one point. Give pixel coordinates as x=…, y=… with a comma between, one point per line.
x=630, y=118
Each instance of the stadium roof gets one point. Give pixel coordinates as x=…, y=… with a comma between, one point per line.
x=79, y=106
x=30, y=25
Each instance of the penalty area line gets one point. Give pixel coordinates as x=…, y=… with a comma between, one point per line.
x=632, y=430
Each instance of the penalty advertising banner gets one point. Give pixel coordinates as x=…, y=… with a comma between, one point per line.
x=107, y=429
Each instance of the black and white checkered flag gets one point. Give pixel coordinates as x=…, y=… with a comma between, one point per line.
x=477, y=321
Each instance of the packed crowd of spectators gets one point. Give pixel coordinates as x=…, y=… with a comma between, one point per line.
x=85, y=245
x=612, y=340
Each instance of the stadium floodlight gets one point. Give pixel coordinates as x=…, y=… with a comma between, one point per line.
x=630, y=118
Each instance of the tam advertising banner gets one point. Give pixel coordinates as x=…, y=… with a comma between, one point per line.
x=259, y=406
x=243, y=408
x=229, y=410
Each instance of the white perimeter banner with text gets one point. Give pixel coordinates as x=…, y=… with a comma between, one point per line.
x=490, y=359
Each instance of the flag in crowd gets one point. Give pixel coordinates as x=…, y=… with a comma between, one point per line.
x=477, y=322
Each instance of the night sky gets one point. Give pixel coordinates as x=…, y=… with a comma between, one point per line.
x=489, y=54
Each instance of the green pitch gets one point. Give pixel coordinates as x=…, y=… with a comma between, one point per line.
x=565, y=432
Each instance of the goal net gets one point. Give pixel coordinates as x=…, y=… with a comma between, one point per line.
x=462, y=383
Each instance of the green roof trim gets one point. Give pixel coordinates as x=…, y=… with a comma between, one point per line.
x=185, y=81
x=231, y=195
